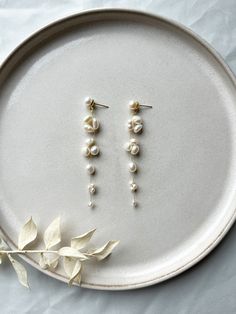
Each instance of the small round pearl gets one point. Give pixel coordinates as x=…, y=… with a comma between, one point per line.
x=133, y=141
x=94, y=150
x=90, y=169
x=90, y=141
x=137, y=119
x=134, y=149
x=127, y=147
x=132, y=167
x=135, y=204
x=91, y=204
x=86, y=151
x=88, y=101
x=132, y=103
x=130, y=126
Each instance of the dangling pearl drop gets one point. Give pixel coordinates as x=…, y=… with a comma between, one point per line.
x=90, y=169
x=132, y=166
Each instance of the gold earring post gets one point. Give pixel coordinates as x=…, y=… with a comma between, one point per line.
x=90, y=103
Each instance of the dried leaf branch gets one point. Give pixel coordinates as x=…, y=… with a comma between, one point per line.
x=72, y=256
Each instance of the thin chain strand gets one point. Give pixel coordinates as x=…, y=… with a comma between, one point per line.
x=91, y=199
x=132, y=174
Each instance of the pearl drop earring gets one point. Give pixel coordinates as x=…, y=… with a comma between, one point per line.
x=91, y=149
x=135, y=126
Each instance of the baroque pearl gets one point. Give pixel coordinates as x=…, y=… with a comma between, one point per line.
x=138, y=128
x=88, y=119
x=94, y=150
x=134, y=149
x=133, y=186
x=132, y=167
x=133, y=141
x=137, y=119
x=95, y=124
x=92, y=188
x=88, y=128
x=90, y=169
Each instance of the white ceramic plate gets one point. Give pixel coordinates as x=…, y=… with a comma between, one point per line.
x=187, y=172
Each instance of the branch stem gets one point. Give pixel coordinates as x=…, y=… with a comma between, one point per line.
x=27, y=251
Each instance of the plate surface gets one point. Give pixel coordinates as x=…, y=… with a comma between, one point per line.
x=187, y=174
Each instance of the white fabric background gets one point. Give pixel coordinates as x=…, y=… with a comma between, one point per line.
x=209, y=287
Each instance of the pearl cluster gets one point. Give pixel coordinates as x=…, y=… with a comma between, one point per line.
x=91, y=124
x=91, y=149
x=135, y=124
x=132, y=146
x=92, y=188
x=90, y=103
x=134, y=106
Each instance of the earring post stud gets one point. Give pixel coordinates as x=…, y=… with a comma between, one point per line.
x=135, y=106
x=90, y=102
x=145, y=106
x=100, y=105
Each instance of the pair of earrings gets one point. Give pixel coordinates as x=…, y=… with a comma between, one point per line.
x=91, y=149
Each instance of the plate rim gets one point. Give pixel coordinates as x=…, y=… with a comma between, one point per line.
x=205, y=251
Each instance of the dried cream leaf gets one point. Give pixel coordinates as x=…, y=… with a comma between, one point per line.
x=69, y=264
x=20, y=271
x=27, y=234
x=105, y=250
x=82, y=240
x=72, y=267
x=71, y=252
x=46, y=262
x=42, y=261
x=53, y=263
x=52, y=235
x=76, y=275
x=1, y=258
x=3, y=247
